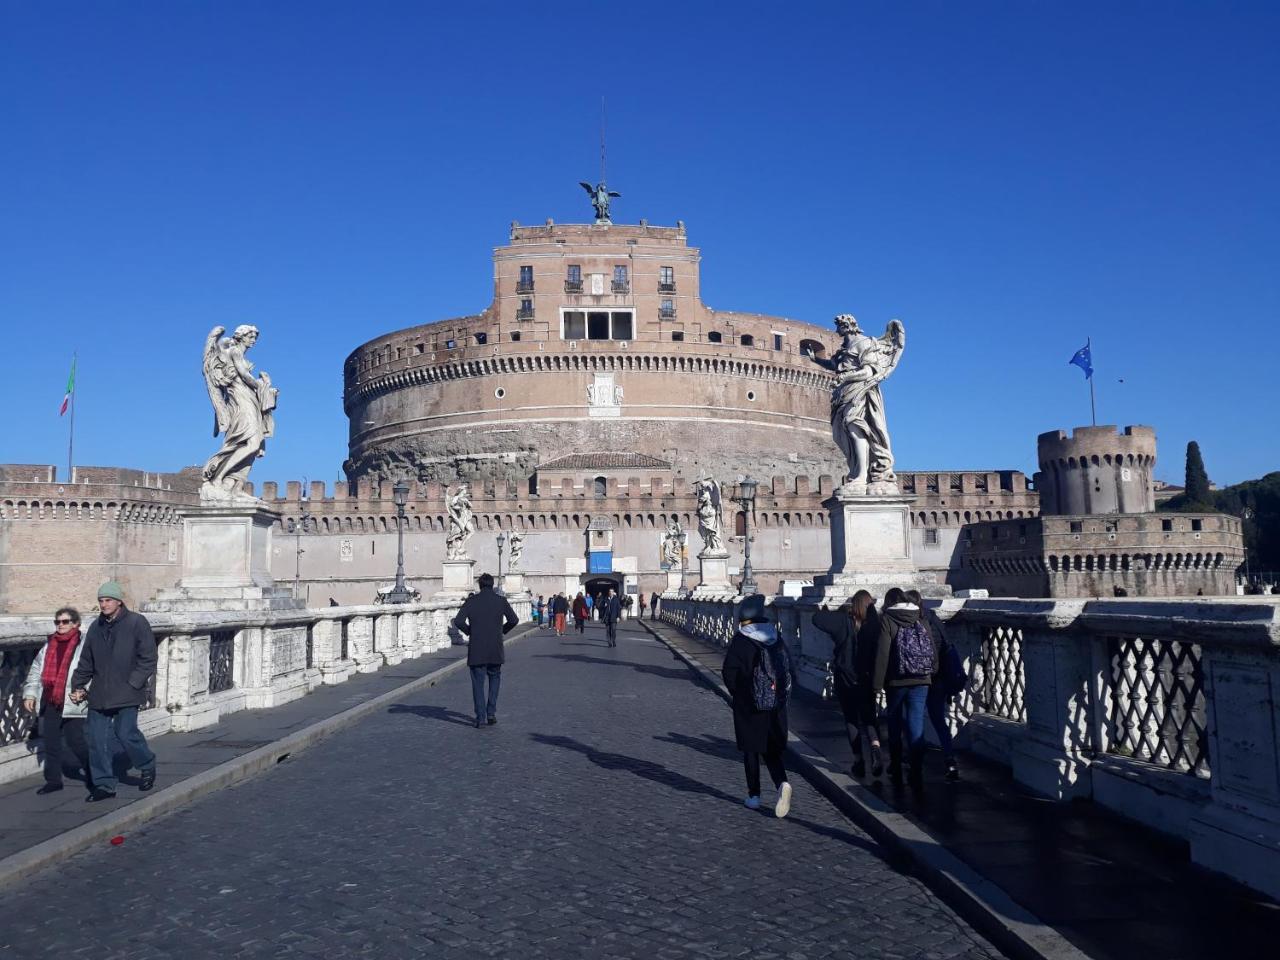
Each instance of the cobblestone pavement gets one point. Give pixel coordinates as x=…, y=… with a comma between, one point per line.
x=602, y=817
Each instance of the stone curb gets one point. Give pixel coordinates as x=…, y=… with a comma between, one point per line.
x=994, y=914
x=48, y=852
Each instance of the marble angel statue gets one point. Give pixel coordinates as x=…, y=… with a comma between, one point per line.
x=709, y=525
x=516, y=541
x=858, y=422
x=242, y=411
x=462, y=523
x=672, y=543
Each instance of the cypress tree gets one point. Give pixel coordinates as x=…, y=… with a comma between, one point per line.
x=1197, y=482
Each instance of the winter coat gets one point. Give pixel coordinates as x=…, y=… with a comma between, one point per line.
x=117, y=660
x=559, y=605
x=33, y=688
x=892, y=621
x=756, y=731
x=839, y=625
x=611, y=610
x=485, y=617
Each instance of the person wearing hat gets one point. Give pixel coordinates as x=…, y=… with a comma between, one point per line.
x=118, y=659
x=757, y=672
x=485, y=618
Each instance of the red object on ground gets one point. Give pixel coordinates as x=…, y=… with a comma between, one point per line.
x=116, y=841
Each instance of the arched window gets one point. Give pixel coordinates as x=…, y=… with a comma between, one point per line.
x=747, y=340
x=599, y=486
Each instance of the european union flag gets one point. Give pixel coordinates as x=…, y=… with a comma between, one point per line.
x=1084, y=360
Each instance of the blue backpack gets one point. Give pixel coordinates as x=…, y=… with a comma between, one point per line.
x=915, y=651
x=765, y=692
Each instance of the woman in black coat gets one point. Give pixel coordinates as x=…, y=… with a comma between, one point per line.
x=855, y=632
x=757, y=672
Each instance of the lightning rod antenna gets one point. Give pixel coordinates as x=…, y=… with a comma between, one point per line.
x=602, y=177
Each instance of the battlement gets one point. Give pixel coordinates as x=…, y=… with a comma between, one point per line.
x=186, y=480
x=597, y=233
x=1089, y=442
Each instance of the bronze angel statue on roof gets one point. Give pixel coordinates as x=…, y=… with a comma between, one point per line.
x=600, y=197
x=242, y=411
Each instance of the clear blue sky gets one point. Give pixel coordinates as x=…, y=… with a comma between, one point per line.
x=1007, y=178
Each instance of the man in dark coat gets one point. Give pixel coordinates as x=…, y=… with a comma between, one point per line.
x=485, y=618
x=611, y=613
x=118, y=659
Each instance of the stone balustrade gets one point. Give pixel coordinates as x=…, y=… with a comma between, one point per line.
x=209, y=665
x=1165, y=711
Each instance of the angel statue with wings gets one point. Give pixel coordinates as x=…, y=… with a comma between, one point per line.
x=462, y=523
x=516, y=540
x=242, y=411
x=673, y=543
x=709, y=518
x=600, y=197
x=857, y=405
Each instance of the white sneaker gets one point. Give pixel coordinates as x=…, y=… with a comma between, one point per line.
x=783, y=806
x=752, y=803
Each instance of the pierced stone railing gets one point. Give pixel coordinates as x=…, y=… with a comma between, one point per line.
x=1166, y=711
x=209, y=665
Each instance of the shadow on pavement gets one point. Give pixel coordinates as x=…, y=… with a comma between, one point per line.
x=717, y=747
x=666, y=673
x=433, y=713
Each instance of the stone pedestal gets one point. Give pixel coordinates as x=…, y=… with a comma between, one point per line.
x=459, y=579
x=714, y=576
x=513, y=584
x=226, y=562
x=673, y=579
x=871, y=549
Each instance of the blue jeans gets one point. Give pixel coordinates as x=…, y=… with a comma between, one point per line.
x=105, y=728
x=486, y=709
x=910, y=701
x=937, y=706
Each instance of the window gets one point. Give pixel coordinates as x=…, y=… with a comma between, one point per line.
x=751, y=396
x=525, y=284
x=573, y=279
x=930, y=536
x=777, y=341
x=599, y=486
x=714, y=337
x=1166, y=525
x=482, y=338
x=515, y=336
x=666, y=310
x=811, y=348
x=620, y=284
x=450, y=344
x=526, y=309
x=666, y=280
x=1077, y=526
x=1197, y=524
x=419, y=348
x=597, y=325
x=748, y=340
x=956, y=483
x=931, y=483
x=500, y=393
x=1110, y=526
x=677, y=336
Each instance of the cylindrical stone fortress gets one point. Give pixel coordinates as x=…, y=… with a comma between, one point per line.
x=596, y=340
x=1096, y=470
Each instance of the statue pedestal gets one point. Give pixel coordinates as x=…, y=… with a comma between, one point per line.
x=459, y=579
x=226, y=562
x=714, y=576
x=673, y=579
x=871, y=549
x=513, y=584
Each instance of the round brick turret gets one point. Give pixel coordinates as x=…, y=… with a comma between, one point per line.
x=1096, y=471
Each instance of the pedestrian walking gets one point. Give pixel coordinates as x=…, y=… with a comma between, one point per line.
x=611, y=613
x=118, y=659
x=942, y=687
x=580, y=612
x=640, y=606
x=539, y=609
x=591, y=605
x=559, y=610
x=485, y=617
x=47, y=694
x=906, y=660
x=653, y=606
x=855, y=632
x=757, y=672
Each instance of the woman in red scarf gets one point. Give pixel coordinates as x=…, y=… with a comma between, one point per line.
x=46, y=693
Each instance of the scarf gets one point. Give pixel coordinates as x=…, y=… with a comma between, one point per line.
x=57, y=666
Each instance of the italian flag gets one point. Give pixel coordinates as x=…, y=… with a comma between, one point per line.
x=71, y=388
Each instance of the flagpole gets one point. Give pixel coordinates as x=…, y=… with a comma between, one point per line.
x=71, y=437
x=1093, y=407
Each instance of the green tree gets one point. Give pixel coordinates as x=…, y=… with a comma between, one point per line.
x=1197, y=483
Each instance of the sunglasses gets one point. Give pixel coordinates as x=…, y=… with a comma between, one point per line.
x=64, y=620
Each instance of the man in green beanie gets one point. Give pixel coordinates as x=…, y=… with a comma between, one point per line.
x=118, y=659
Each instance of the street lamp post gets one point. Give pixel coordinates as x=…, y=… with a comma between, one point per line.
x=300, y=527
x=400, y=594
x=747, y=497
x=502, y=542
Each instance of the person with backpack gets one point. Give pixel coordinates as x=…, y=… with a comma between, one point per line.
x=854, y=630
x=580, y=613
x=559, y=610
x=757, y=673
x=948, y=680
x=906, y=660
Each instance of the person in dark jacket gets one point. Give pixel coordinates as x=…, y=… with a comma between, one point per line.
x=937, y=701
x=757, y=665
x=905, y=684
x=653, y=605
x=559, y=610
x=118, y=659
x=485, y=618
x=854, y=630
x=611, y=613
